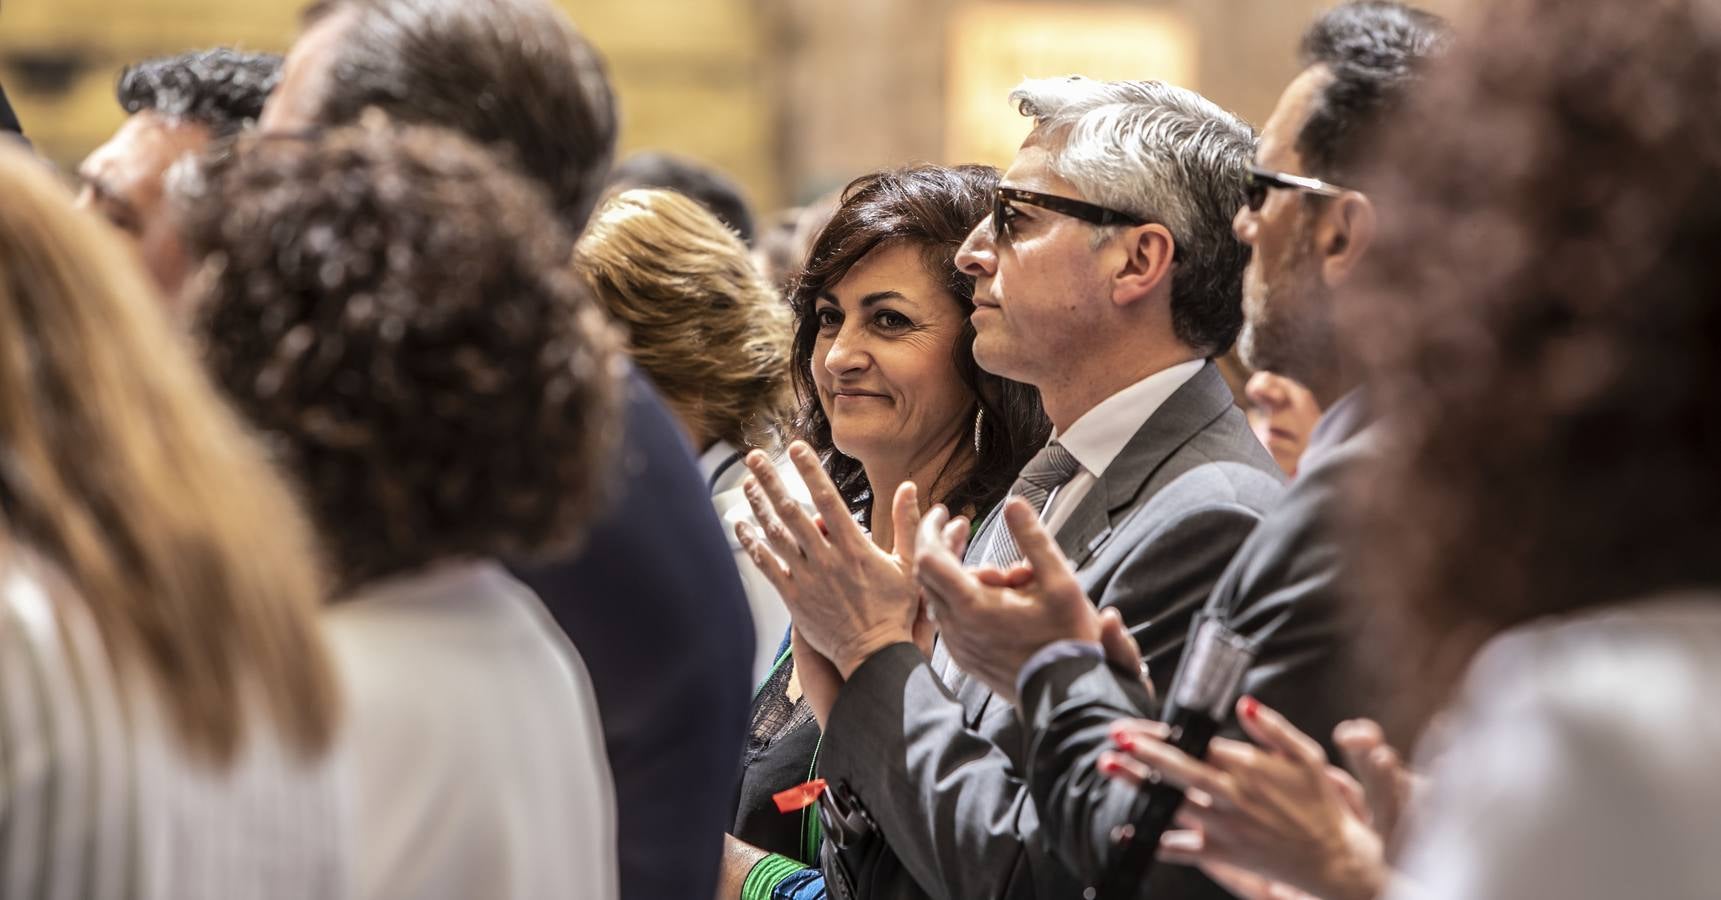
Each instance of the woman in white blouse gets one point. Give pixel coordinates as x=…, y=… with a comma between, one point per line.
x=167, y=703
x=393, y=309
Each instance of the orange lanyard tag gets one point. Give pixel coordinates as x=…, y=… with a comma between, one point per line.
x=800, y=796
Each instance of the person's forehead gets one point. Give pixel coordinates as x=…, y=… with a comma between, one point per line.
x=1032, y=168
x=143, y=148
x=305, y=72
x=1277, y=149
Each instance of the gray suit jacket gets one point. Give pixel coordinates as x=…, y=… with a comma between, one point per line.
x=1283, y=587
x=928, y=788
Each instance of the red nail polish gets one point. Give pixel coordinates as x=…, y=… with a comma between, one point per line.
x=1108, y=765
x=1126, y=742
x=1251, y=708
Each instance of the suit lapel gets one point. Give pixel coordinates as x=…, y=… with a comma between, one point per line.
x=1192, y=407
x=1189, y=409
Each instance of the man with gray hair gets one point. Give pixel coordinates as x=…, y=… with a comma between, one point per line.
x=1108, y=277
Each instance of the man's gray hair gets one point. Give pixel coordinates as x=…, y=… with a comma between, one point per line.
x=1166, y=154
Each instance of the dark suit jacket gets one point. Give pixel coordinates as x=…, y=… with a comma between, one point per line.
x=8, y=119
x=655, y=607
x=1285, y=578
x=937, y=763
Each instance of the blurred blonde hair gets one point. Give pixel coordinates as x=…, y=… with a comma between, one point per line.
x=702, y=322
x=126, y=472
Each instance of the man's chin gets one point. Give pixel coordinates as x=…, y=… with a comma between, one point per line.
x=994, y=354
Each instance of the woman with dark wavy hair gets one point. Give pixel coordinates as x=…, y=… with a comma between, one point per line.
x=888, y=393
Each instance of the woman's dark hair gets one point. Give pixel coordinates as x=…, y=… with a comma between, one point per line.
x=932, y=208
x=1542, y=330
x=394, y=310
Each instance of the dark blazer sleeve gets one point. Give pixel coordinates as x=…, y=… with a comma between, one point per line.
x=1287, y=589
x=952, y=801
x=656, y=609
x=1069, y=707
x=1282, y=586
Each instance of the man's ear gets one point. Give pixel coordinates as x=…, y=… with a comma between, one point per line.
x=1146, y=262
x=1345, y=233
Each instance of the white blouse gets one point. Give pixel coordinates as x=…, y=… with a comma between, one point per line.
x=476, y=763
x=725, y=472
x=1581, y=761
x=99, y=799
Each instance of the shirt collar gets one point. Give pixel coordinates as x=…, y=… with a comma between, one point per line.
x=1347, y=416
x=1101, y=433
x=714, y=457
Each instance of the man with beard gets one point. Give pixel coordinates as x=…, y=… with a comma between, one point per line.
x=1284, y=588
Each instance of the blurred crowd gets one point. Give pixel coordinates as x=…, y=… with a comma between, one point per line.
x=402, y=497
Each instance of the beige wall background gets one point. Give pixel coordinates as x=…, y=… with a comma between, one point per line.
x=792, y=97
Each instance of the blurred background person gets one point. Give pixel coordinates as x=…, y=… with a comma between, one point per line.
x=888, y=393
x=167, y=703
x=713, y=338
x=1543, y=535
x=1539, y=546
x=176, y=107
x=673, y=667
x=394, y=311
x=1282, y=414
x=718, y=193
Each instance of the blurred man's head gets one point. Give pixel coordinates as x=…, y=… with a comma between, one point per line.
x=710, y=188
x=1110, y=248
x=1360, y=60
x=176, y=106
x=511, y=75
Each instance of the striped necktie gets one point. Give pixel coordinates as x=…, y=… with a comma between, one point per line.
x=1049, y=470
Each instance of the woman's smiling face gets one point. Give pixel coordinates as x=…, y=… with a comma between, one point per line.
x=884, y=359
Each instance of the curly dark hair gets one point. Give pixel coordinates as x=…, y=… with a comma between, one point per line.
x=933, y=208
x=394, y=310
x=1542, y=329
x=1375, y=50
x=513, y=75
x=221, y=89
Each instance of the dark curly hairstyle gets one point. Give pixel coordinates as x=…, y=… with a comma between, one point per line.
x=512, y=75
x=221, y=89
x=1375, y=50
x=933, y=208
x=1542, y=329
x=394, y=310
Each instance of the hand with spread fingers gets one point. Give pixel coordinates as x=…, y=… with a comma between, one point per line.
x=849, y=597
x=1389, y=784
x=994, y=621
x=1274, y=809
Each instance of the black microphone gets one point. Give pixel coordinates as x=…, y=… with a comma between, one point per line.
x=1201, y=697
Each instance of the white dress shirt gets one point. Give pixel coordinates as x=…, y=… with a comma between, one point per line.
x=473, y=748
x=1101, y=433
x=724, y=472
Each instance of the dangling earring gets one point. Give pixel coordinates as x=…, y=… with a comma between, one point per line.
x=979, y=417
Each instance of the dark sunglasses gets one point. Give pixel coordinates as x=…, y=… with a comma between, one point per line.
x=1087, y=212
x=1263, y=180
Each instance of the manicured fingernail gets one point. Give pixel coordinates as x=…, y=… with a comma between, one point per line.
x=1126, y=742
x=1250, y=708
x=1109, y=766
